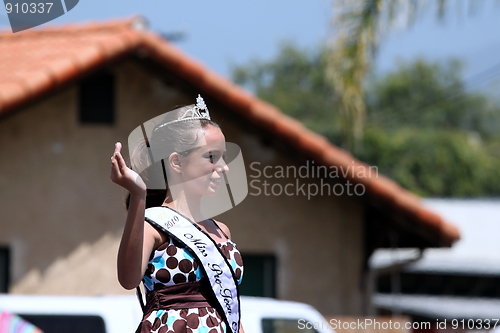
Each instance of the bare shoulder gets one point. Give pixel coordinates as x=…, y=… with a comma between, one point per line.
x=224, y=228
x=155, y=235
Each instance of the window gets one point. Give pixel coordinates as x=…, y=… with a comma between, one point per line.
x=97, y=99
x=259, y=277
x=4, y=269
x=67, y=323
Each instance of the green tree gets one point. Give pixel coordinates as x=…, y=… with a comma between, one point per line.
x=358, y=28
x=424, y=129
x=296, y=83
x=430, y=134
x=443, y=163
x=430, y=95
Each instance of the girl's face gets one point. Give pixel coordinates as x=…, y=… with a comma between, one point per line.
x=203, y=168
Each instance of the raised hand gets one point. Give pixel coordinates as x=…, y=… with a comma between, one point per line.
x=123, y=175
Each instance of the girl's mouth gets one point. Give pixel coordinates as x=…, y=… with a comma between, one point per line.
x=216, y=181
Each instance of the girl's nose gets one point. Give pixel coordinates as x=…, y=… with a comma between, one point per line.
x=222, y=167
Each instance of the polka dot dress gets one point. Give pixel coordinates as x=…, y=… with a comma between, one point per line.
x=170, y=264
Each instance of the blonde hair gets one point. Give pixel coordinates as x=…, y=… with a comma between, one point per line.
x=179, y=137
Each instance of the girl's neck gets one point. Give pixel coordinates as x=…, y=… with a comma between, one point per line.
x=189, y=207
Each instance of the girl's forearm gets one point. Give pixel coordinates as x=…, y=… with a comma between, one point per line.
x=130, y=256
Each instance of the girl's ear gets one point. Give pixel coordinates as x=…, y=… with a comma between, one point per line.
x=174, y=161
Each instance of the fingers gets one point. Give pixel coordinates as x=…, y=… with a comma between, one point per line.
x=117, y=156
x=115, y=172
x=118, y=147
x=120, y=160
x=117, y=162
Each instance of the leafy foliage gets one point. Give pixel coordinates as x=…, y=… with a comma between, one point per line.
x=359, y=25
x=295, y=82
x=423, y=128
x=430, y=95
x=434, y=163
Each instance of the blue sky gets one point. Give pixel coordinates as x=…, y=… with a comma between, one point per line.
x=473, y=38
x=221, y=33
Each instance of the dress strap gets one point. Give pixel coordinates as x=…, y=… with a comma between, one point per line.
x=139, y=297
x=227, y=237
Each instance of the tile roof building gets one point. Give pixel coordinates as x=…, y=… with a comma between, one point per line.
x=65, y=216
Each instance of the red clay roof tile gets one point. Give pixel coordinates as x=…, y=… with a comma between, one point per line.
x=241, y=102
x=11, y=91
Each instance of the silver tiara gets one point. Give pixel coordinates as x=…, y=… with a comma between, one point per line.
x=199, y=111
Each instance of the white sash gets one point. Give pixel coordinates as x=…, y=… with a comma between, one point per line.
x=213, y=262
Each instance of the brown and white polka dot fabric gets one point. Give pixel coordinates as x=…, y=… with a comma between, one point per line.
x=171, y=264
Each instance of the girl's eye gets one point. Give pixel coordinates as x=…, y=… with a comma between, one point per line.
x=212, y=157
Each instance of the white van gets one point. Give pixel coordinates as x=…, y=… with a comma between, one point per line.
x=122, y=314
x=268, y=315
